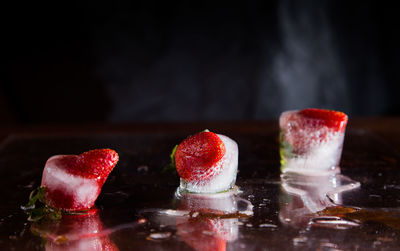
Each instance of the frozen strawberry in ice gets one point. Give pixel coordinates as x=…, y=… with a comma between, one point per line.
x=311, y=140
x=206, y=162
x=73, y=182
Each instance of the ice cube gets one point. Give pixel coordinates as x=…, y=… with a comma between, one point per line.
x=309, y=145
x=222, y=181
x=68, y=191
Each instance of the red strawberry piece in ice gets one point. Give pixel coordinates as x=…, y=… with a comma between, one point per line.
x=332, y=119
x=92, y=164
x=198, y=156
x=309, y=127
x=73, y=182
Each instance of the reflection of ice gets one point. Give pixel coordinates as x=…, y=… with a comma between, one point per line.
x=225, y=179
x=206, y=221
x=205, y=228
x=302, y=196
x=74, y=232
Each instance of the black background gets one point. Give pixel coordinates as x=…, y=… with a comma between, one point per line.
x=179, y=61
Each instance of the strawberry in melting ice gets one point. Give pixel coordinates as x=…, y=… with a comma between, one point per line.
x=311, y=139
x=309, y=127
x=206, y=162
x=198, y=156
x=73, y=182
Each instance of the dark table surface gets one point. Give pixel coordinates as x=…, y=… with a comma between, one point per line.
x=138, y=209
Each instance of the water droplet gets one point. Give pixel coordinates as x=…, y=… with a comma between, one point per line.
x=173, y=212
x=143, y=169
x=12, y=237
x=210, y=233
x=299, y=240
x=159, y=236
x=267, y=225
x=384, y=239
x=377, y=243
x=375, y=196
x=333, y=222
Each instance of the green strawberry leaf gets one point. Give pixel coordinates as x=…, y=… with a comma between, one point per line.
x=171, y=166
x=36, y=208
x=37, y=214
x=285, y=150
x=35, y=195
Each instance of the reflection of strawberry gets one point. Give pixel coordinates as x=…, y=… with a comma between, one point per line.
x=74, y=232
x=206, y=228
x=198, y=156
x=202, y=234
x=73, y=182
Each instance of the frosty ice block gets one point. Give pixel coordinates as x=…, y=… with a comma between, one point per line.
x=311, y=141
x=73, y=182
x=207, y=163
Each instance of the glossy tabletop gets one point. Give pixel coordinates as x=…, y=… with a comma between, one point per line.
x=138, y=208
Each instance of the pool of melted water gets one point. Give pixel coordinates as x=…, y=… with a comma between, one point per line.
x=139, y=209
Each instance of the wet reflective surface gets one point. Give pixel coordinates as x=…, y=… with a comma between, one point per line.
x=138, y=208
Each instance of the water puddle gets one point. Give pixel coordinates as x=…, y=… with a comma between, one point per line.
x=203, y=220
x=302, y=197
x=78, y=232
x=316, y=202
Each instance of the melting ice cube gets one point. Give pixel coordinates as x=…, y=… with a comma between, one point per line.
x=222, y=181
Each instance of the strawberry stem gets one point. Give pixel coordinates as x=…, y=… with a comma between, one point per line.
x=36, y=208
x=171, y=165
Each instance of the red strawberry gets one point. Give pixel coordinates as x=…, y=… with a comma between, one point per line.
x=92, y=164
x=73, y=182
x=332, y=119
x=197, y=157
